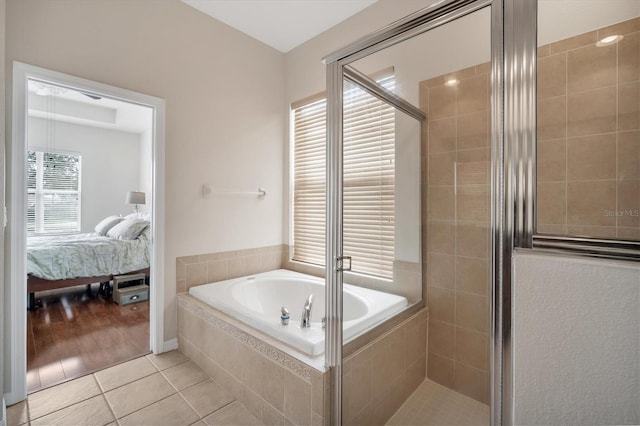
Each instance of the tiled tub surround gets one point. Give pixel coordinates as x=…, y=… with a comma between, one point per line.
x=279, y=384
x=456, y=164
x=589, y=135
x=213, y=267
x=381, y=376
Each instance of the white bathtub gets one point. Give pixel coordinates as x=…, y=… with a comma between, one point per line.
x=257, y=300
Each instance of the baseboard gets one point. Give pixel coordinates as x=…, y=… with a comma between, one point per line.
x=3, y=414
x=169, y=345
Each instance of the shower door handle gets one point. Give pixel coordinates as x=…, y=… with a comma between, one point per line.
x=341, y=262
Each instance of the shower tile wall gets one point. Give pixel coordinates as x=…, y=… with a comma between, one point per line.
x=589, y=135
x=456, y=155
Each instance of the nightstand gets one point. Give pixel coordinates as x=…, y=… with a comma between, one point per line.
x=129, y=289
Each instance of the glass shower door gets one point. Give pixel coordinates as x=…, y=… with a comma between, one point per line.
x=381, y=180
x=409, y=159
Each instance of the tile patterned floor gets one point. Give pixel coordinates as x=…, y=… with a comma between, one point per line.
x=166, y=389
x=434, y=404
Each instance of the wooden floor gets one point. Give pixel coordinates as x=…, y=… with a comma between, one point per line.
x=74, y=333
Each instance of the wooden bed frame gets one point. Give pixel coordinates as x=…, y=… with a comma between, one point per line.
x=35, y=284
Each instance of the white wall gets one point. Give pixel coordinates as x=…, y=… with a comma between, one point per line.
x=224, y=108
x=111, y=163
x=304, y=67
x=576, y=341
x=558, y=20
x=146, y=169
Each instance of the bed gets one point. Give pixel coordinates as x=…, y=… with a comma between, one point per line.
x=55, y=262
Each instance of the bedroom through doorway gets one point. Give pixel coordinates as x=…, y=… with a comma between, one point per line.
x=87, y=165
x=88, y=232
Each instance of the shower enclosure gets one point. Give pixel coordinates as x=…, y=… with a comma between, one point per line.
x=521, y=143
x=435, y=78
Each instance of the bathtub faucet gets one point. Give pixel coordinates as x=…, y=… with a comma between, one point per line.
x=306, y=313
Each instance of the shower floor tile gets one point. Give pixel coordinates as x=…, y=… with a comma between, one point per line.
x=434, y=404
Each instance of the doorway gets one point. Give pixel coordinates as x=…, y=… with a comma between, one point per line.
x=38, y=121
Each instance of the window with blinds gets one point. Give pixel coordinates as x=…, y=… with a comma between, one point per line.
x=369, y=179
x=53, y=193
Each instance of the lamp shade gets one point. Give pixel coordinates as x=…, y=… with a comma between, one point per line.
x=134, y=197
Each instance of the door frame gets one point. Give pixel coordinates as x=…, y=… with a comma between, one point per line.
x=16, y=256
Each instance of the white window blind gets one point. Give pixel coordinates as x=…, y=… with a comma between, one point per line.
x=309, y=181
x=53, y=193
x=369, y=176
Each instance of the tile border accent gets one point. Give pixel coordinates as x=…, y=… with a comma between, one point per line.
x=297, y=367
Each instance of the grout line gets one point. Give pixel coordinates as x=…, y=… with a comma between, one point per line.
x=98, y=382
x=106, y=401
x=617, y=131
x=64, y=407
x=28, y=411
x=456, y=224
x=146, y=406
x=141, y=408
x=225, y=406
x=588, y=180
x=566, y=142
x=166, y=368
x=169, y=381
x=190, y=406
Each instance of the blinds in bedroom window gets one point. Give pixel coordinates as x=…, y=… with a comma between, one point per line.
x=53, y=192
x=369, y=180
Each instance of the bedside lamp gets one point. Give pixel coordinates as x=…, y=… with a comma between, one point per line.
x=135, y=198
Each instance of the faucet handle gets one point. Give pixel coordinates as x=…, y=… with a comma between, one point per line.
x=284, y=318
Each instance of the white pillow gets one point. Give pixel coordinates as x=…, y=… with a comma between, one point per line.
x=128, y=229
x=106, y=224
x=139, y=215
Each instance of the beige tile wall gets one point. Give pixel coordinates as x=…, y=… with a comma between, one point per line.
x=278, y=387
x=380, y=377
x=589, y=135
x=456, y=245
x=212, y=267
x=274, y=386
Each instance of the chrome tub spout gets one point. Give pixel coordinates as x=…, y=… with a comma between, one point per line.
x=305, y=322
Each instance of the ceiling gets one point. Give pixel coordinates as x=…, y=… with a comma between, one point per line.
x=282, y=24
x=67, y=105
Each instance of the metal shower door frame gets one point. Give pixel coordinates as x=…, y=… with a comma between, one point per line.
x=513, y=67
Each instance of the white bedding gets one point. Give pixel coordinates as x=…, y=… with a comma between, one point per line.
x=86, y=255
